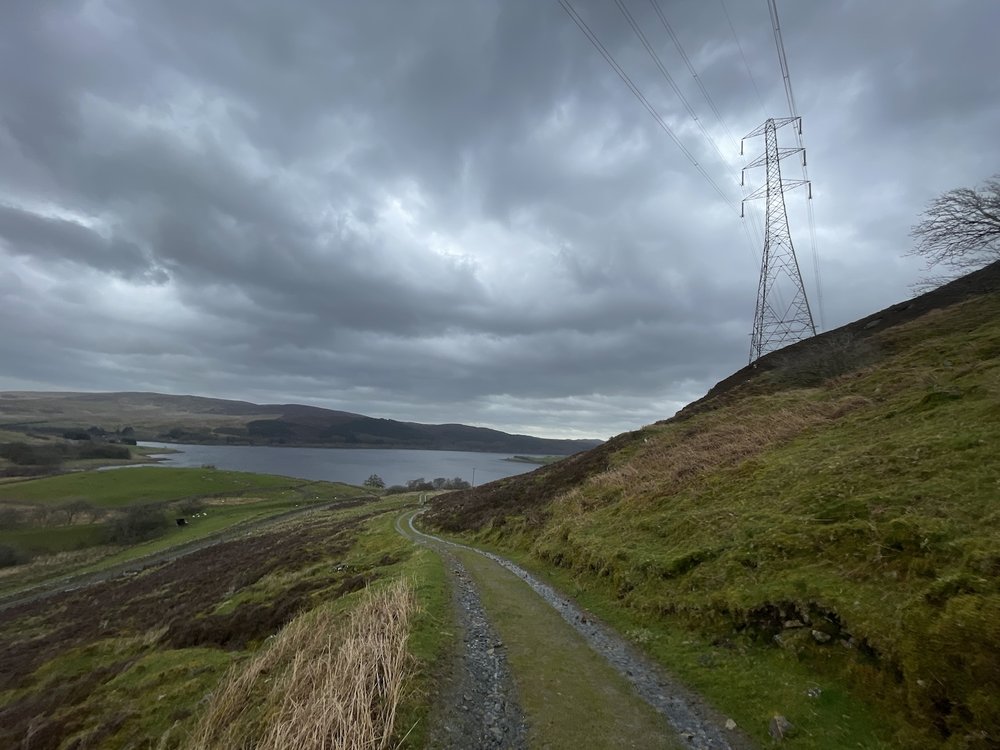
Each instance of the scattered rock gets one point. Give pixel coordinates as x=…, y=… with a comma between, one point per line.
x=789, y=624
x=780, y=727
x=483, y=712
x=820, y=637
x=814, y=692
x=730, y=724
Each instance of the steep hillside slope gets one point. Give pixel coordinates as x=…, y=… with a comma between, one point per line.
x=838, y=501
x=194, y=419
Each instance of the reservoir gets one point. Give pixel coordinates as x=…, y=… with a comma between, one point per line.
x=352, y=466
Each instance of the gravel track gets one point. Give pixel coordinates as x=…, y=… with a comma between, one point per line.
x=479, y=708
x=698, y=726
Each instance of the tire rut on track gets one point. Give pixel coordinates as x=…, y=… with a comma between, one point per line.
x=698, y=726
x=478, y=704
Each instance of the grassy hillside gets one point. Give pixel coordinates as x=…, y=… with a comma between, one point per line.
x=836, y=505
x=225, y=647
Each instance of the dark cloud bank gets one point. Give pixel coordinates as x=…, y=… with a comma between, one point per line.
x=449, y=211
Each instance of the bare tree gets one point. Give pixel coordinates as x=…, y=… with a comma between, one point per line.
x=961, y=229
x=76, y=508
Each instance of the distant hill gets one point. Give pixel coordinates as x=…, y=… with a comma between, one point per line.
x=836, y=501
x=194, y=419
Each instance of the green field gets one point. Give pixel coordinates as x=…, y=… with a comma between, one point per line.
x=121, y=487
x=48, y=541
x=51, y=540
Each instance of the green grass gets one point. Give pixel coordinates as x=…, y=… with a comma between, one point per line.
x=866, y=504
x=147, y=699
x=432, y=631
x=131, y=689
x=35, y=541
x=218, y=519
x=118, y=488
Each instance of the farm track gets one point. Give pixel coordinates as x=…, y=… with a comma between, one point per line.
x=688, y=721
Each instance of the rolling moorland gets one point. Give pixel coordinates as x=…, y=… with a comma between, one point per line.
x=247, y=642
x=830, y=512
x=817, y=538
x=194, y=419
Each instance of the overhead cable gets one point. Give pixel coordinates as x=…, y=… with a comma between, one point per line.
x=599, y=46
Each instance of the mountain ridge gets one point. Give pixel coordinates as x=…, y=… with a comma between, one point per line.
x=214, y=421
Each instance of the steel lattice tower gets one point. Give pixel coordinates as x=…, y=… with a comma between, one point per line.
x=777, y=323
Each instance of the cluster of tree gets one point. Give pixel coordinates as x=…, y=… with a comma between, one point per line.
x=132, y=526
x=124, y=435
x=375, y=482
x=422, y=485
x=10, y=556
x=417, y=485
x=51, y=454
x=140, y=523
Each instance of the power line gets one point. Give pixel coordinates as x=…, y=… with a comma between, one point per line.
x=687, y=105
x=669, y=78
x=690, y=67
x=753, y=81
x=754, y=221
x=599, y=46
x=782, y=60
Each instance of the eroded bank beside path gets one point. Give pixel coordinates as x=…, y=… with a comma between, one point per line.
x=579, y=683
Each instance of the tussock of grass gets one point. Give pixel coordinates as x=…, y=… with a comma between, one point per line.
x=321, y=683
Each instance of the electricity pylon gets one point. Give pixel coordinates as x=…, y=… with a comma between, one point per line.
x=775, y=323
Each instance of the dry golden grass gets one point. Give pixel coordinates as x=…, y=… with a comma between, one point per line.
x=666, y=463
x=322, y=684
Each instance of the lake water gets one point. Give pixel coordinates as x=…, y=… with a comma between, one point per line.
x=352, y=466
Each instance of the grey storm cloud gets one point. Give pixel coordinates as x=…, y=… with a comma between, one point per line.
x=451, y=211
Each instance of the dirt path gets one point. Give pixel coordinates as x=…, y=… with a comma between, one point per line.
x=477, y=704
x=580, y=684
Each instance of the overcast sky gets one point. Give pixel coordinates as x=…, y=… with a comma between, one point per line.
x=453, y=210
